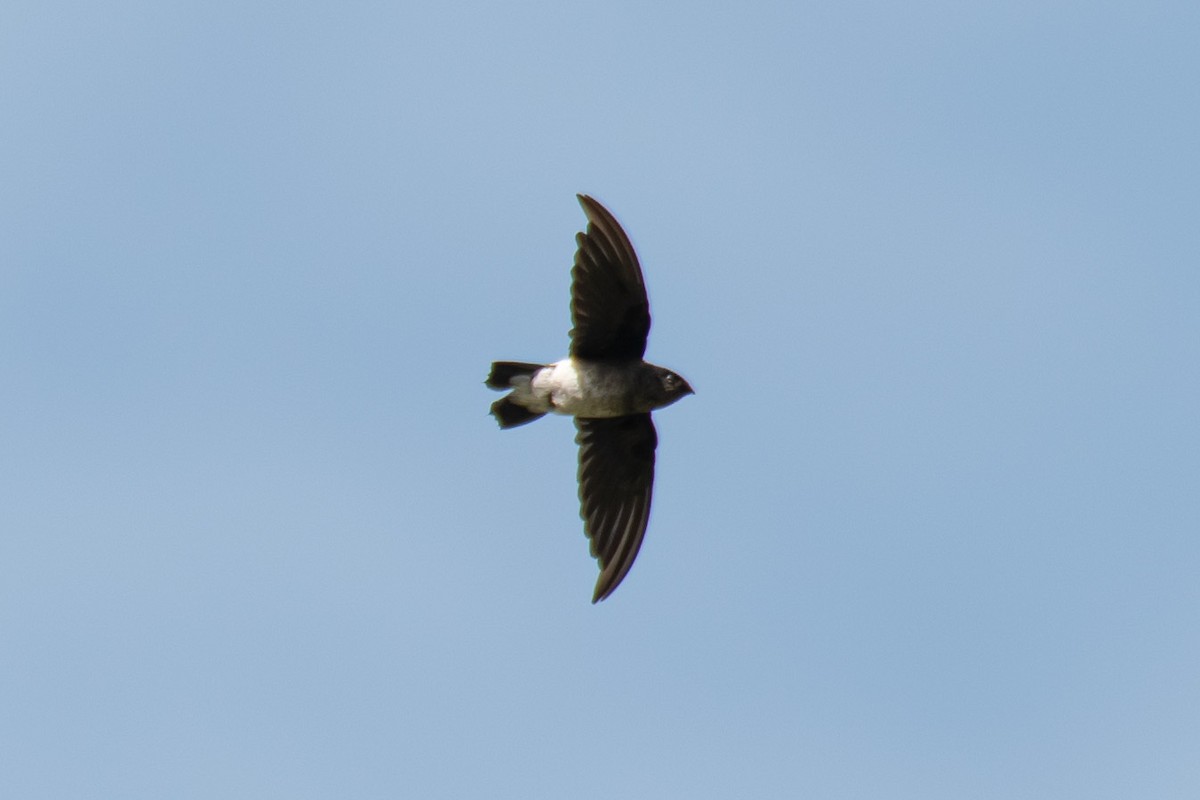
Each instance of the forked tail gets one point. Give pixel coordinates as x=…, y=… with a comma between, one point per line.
x=508, y=375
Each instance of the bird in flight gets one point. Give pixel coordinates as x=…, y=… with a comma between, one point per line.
x=609, y=390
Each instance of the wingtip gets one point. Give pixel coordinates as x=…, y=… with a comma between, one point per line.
x=606, y=584
x=600, y=216
x=604, y=587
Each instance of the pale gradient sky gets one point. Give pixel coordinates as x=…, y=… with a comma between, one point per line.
x=930, y=527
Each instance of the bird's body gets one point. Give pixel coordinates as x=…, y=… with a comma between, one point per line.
x=607, y=387
x=580, y=387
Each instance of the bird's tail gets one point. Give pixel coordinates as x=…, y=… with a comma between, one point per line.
x=504, y=371
x=507, y=375
x=510, y=414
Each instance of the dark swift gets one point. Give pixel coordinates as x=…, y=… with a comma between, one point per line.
x=607, y=387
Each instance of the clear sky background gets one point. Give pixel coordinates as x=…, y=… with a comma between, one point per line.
x=930, y=527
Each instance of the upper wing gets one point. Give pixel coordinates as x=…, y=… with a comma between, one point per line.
x=616, y=479
x=609, y=308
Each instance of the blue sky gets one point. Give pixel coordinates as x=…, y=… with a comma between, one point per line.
x=928, y=528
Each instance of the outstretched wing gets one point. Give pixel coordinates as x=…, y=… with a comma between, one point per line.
x=609, y=308
x=616, y=479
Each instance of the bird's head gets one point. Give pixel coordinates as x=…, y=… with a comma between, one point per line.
x=672, y=386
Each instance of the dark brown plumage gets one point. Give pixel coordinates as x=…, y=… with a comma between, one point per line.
x=608, y=388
